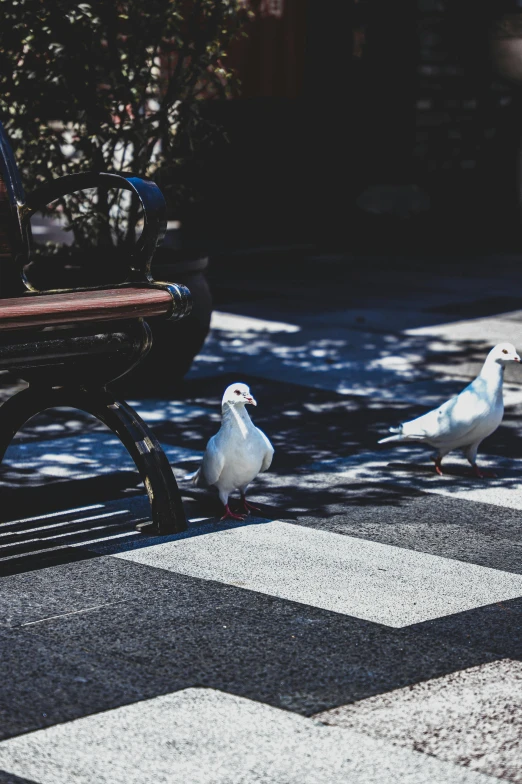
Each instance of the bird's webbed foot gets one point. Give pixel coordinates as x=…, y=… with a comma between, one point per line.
x=229, y=515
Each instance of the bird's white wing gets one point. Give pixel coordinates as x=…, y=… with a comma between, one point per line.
x=454, y=419
x=269, y=453
x=213, y=461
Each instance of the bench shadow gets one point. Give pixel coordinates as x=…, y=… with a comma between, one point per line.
x=92, y=518
x=195, y=528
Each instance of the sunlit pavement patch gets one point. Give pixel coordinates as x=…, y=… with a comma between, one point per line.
x=240, y=323
x=336, y=357
x=364, y=579
x=78, y=457
x=344, y=361
x=160, y=411
x=203, y=736
x=412, y=468
x=337, y=353
x=504, y=327
x=459, y=718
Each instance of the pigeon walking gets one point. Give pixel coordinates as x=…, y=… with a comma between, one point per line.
x=467, y=419
x=237, y=453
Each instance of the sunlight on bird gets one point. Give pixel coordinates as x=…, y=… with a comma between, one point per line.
x=237, y=453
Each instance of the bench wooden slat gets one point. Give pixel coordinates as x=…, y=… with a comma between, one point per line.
x=47, y=310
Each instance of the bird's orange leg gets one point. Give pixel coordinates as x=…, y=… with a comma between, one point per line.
x=438, y=467
x=229, y=515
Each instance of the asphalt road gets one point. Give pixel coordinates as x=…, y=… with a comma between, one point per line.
x=364, y=627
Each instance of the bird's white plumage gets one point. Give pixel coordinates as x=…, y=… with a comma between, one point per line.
x=465, y=420
x=239, y=451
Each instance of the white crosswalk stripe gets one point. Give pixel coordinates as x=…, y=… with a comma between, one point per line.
x=466, y=722
x=203, y=736
x=377, y=582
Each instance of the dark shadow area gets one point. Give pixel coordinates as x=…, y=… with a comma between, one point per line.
x=53, y=537
x=383, y=125
x=198, y=528
x=10, y=778
x=289, y=655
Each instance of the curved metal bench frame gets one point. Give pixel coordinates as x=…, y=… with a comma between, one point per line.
x=68, y=363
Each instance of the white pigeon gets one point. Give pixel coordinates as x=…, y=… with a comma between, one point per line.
x=467, y=419
x=237, y=453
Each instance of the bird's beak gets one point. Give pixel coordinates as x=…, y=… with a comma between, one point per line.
x=250, y=400
x=516, y=358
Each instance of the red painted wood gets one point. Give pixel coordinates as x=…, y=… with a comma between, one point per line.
x=113, y=304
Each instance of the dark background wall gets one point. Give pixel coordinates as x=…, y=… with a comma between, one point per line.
x=341, y=99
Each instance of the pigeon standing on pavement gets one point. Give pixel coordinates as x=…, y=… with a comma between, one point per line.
x=237, y=453
x=467, y=419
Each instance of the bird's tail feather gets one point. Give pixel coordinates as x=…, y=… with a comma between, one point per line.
x=390, y=438
x=193, y=477
x=401, y=436
x=197, y=478
x=398, y=436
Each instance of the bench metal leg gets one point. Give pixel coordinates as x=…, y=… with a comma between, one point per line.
x=168, y=516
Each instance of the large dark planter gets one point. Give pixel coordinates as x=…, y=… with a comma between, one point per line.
x=506, y=47
x=174, y=343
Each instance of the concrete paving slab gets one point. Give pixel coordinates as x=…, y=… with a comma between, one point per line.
x=330, y=356
x=10, y=778
x=164, y=631
x=472, y=717
x=29, y=540
x=80, y=457
x=410, y=466
x=460, y=347
x=486, y=331
x=35, y=597
x=399, y=515
x=354, y=356
x=343, y=574
x=157, y=410
x=204, y=736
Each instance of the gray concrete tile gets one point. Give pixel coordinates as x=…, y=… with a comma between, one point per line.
x=207, y=737
x=472, y=718
x=47, y=682
x=10, y=778
x=33, y=597
x=396, y=514
x=388, y=585
x=84, y=456
x=175, y=631
x=389, y=466
x=32, y=543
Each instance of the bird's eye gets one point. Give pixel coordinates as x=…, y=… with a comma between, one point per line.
x=237, y=391
x=505, y=351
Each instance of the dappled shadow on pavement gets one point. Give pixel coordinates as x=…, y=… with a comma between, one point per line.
x=329, y=384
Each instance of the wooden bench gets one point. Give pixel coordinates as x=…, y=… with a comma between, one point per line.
x=69, y=344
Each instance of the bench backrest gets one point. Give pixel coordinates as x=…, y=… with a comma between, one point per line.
x=12, y=198
x=16, y=209
x=14, y=231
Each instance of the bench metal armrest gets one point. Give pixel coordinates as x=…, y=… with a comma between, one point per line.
x=148, y=193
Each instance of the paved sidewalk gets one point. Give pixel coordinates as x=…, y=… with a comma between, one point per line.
x=364, y=627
